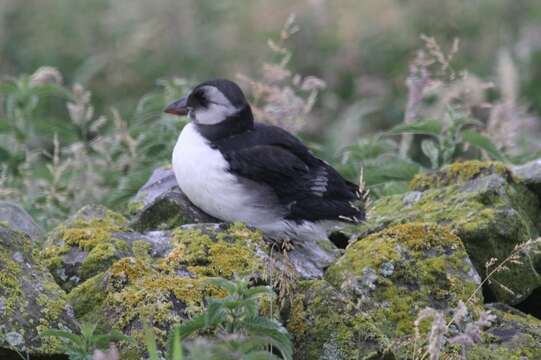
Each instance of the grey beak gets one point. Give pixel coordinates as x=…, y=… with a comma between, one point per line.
x=179, y=107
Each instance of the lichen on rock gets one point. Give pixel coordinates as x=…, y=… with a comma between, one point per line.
x=159, y=291
x=490, y=212
x=30, y=299
x=325, y=324
x=430, y=268
x=459, y=173
x=85, y=245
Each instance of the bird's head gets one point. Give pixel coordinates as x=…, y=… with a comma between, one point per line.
x=211, y=103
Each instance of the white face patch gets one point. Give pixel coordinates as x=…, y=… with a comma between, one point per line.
x=217, y=110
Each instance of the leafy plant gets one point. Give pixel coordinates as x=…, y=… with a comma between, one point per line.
x=449, y=140
x=384, y=171
x=82, y=347
x=240, y=332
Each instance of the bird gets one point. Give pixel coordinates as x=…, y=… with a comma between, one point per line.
x=240, y=170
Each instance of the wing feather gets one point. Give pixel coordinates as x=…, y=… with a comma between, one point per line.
x=309, y=188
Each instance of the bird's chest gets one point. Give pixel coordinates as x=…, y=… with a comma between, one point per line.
x=201, y=173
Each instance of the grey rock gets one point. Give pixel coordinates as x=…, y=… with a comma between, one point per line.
x=311, y=257
x=530, y=174
x=492, y=213
x=161, y=181
x=18, y=219
x=167, y=211
x=160, y=204
x=29, y=297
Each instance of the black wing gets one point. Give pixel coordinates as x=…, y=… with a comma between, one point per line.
x=306, y=186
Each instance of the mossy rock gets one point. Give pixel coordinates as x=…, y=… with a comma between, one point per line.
x=30, y=300
x=18, y=219
x=85, y=245
x=512, y=336
x=459, y=173
x=161, y=291
x=325, y=324
x=486, y=207
x=160, y=204
x=530, y=175
x=393, y=274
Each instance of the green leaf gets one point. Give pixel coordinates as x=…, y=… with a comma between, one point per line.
x=386, y=169
x=259, y=290
x=484, y=143
x=189, y=327
x=103, y=341
x=150, y=342
x=223, y=283
x=87, y=329
x=431, y=151
x=75, y=339
x=214, y=314
x=424, y=127
x=270, y=328
x=5, y=156
x=174, y=346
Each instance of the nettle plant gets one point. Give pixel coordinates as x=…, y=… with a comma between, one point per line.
x=232, y=327
x=57, y=155
x=86, y=345
x=449, y=140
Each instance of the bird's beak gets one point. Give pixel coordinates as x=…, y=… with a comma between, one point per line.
x=179, y=107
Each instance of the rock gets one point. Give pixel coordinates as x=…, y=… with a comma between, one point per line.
x=30, y=300
x=486, y=207
x=161, y=285
x=530, y=174
x=167, y=211
x=85, y=245
x=371, y=296
x=311, y=257
x=18, y=219
x=513, y=335
x=325, y=324
x=160, y=204
x=161, y=181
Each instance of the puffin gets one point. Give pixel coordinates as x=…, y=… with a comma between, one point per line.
x=240, y=170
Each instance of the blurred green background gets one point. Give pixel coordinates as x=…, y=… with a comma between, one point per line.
x=360, y=48
x=125, y=53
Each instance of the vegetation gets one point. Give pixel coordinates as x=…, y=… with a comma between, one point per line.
x=233, y=324
x=82, y=347
x=393, y=94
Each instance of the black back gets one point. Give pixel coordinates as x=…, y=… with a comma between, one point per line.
x=306, y=186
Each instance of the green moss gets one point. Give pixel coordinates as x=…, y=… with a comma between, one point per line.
x=31, y=299
x=140, y=290
x=141, y=249
x=232, y=252
x=94, y=236
x=458, y=173
x=135, y=206
x=325, y=325
x=88, y=296
x=398, y=271
x=513, y=336
x=491, y=215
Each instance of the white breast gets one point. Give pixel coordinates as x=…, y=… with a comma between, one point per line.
x=201, y=173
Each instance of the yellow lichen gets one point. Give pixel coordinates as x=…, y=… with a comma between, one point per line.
x=94, y=236
x=404, y=267
x=141, y=249
x=457, y=173
x=297, y=322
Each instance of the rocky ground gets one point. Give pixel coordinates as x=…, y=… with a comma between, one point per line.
x=431, y=247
